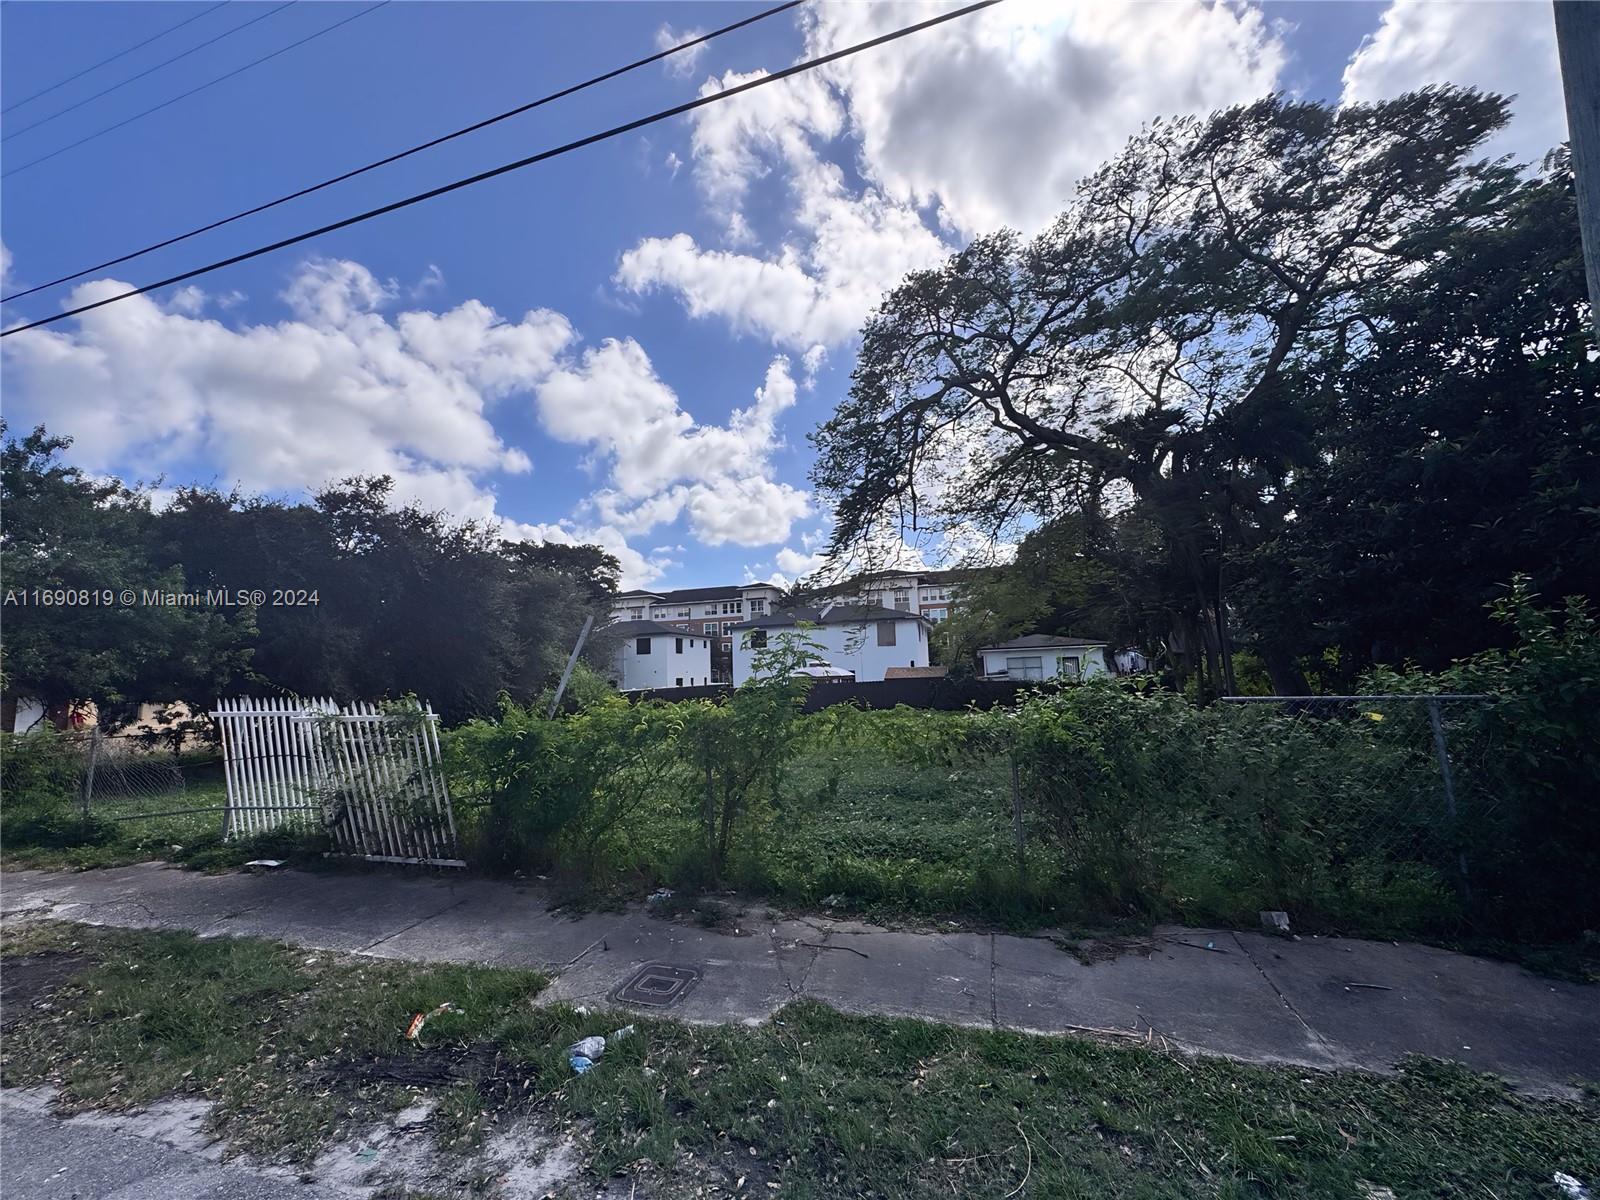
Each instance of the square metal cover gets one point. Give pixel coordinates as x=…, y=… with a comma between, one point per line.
x=657, y=985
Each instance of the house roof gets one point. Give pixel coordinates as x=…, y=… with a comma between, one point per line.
x=915, y=672
x=633, y=629
x=690, y=595
x=1036, y=641
x=838, y=614
x=879, y=578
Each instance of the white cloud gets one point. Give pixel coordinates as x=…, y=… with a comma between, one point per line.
x=344, y=389
x=1504, y=46
x=984, y=122
x=795, y=564
x=993, y=117
x=638, y=570
x=813, y=291
x=683, y=63
x=340, y=390
x=662, y=464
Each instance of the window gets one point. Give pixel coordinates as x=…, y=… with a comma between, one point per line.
x=684, y=612
x=680, y=680
x=1024, y=667
x=902, y=601
x=710, y=627
x=932, y=595
x=936, y=614
x=711, y=610
x=886, y=633
x=1067, y=666
x=758, y=639
x=758, y=608
x=678, y=649
x=727, y=627
x=732, y=606
x=641, y=645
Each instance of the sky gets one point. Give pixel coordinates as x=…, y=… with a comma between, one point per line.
x=627, y=345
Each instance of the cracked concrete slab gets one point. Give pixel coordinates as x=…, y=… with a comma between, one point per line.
x=332, y=912
x=498, y=925
x=939, y=976
x=1493, y=1016
x=1205, y=999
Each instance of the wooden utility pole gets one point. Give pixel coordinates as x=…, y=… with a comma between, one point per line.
x=1578, y=40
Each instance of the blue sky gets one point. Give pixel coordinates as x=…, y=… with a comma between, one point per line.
x=628, y=344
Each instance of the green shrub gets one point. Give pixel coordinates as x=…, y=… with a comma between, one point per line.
x=1137, y=805
x=39, y=778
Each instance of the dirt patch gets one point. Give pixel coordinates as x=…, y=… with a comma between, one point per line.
x=25, y=979
x=705, y=911
x=1092, y=951
x=484, y=1065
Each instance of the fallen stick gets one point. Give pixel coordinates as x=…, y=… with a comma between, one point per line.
x=1193, y=946
x=821, y=946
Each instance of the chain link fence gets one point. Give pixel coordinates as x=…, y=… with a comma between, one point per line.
x=1378, y=813
x=133, y=777
x=1374, y=812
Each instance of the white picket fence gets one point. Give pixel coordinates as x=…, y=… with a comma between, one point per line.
x=372, y=779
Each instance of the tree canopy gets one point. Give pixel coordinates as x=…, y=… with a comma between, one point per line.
x=361, y=597
x=1169, y=345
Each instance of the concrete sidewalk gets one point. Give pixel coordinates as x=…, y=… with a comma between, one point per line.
x=1320, y=1002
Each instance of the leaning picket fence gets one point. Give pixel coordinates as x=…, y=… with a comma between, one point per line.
x=370, y=777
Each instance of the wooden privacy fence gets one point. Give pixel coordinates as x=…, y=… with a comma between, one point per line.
x=371, y=778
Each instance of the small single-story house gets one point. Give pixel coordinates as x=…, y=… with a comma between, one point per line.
x=1043, y=656
x=652, y=655
x=864, y=639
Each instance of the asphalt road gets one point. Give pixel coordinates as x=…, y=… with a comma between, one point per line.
x=43, y=1157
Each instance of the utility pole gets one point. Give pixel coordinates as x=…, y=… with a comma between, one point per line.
x=1578, y=41
x=572, y=661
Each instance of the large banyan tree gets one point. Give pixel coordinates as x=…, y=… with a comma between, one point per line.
x=1156, y=345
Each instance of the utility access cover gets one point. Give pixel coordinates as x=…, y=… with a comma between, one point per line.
x=657, y=985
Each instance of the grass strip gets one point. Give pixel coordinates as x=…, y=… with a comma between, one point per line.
x=297, y=1048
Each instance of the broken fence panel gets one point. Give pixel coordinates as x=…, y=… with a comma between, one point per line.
x=373, y=779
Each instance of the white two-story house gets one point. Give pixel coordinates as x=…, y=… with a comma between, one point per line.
x=708, y=612
x=652, y=655
x=865, y=640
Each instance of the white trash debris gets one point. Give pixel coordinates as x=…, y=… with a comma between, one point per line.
x=585, y=1052
x=1571, y=1188
x=660, y=896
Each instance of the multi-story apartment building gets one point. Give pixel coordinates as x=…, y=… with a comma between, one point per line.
x=709, y=612
x=930, y=594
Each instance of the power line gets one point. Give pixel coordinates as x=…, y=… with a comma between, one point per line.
x=310, y=37
x=372, y=166
x=615, y=131
x=108, y=61
x=147, y=71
